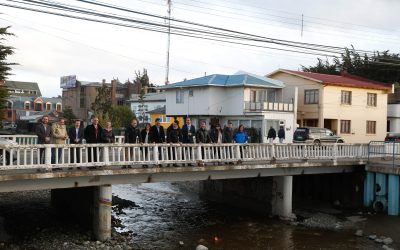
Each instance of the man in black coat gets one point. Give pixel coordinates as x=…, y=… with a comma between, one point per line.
x=227, y=136
x=75, y=135
x=132, y=132
x=188, y=131
x=157, y=134
x=43, y=132
x=92, y=134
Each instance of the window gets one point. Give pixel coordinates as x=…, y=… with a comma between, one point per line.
x=258, y=96
x=346, y=97
x=38, y=106
x=165, y=119
x=27, y=105
x=311, y=96
x=371, y=127
x=9, y=114
x=371, y=99
x=48, y=106
x=82, y=102
x=345, y=126
x=58, y=107
x=179, y=96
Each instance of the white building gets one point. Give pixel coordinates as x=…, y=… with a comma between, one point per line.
x=254, y=101
x=150, y=102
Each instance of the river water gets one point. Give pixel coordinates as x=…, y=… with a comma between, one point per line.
x=168, y=213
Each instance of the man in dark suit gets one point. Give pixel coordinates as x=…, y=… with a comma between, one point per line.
x=188, y=131
x=43, y=131
x=157, y=134
x=92, y=134
x=75, y=135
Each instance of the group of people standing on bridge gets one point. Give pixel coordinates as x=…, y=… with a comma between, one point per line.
x=94, y=133
x=185, y=134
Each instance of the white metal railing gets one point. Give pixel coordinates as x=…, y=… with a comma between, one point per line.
x=137, y=155
x=21, y=139
x=268, y=106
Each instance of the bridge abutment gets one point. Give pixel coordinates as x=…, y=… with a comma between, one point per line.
x=282, y=193
x=91, y=206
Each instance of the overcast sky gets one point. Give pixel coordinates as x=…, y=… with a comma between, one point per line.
x=48, y=47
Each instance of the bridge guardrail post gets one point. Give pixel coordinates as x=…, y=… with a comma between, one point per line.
x=47, y=155
x=155, y=154
x=273, y=152
x=199, y=157
x=335, y=152
x=237, y=151
x=106, y=156
x=304, y=152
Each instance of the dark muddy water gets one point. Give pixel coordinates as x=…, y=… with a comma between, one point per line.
x=169, y=213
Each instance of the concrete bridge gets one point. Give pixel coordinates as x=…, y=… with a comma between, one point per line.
x=82, y=176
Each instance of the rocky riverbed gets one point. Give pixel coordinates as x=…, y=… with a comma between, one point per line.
x=27, y=221
x=169, y=216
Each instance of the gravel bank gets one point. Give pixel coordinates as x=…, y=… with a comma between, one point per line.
x=27, y=221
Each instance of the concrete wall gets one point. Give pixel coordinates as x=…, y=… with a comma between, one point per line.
x=330, y=107
x=304, y=111
x=394, y=117
x=218, y=101
x=358, y=112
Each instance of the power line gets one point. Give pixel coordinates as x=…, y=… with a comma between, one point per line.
x=190, y=32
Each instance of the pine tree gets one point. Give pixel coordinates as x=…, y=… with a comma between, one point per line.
x=5, y=67
x=381, y=66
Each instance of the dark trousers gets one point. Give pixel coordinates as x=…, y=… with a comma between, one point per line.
x=78, y=154
x=94, y=159
x=42, y=156
x=53, y=155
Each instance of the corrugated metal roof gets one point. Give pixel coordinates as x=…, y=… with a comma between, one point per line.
x=228, y=81
x=345, y=80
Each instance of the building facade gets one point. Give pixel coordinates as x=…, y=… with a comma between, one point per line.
x=254, y=101
x=150, y=101
x=82, y=94
x=353, y=107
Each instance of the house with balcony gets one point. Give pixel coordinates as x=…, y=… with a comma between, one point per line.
x=256, y=102
x=353, y=107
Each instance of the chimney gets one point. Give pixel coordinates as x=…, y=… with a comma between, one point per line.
x=113, y=92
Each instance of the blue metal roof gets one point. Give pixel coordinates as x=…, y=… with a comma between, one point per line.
x=227, y=81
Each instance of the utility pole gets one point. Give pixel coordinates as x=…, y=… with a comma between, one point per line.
x=168, y=41
x=302, y=24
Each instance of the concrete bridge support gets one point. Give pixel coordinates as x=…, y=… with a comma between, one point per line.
x=282, y=191
x=91, y=206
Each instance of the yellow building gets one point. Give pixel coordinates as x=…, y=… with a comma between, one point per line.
x=353, y=107
x=165, y=120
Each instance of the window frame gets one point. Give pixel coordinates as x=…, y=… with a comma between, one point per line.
x=346, y=97
x=314, y=93
x=372, y=102
x=345, y=126
x=371, y=127
x=180, y=96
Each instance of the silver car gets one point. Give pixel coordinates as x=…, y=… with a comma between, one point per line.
x=315, y=135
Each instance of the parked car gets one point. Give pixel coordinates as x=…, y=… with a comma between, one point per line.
x=315, y=135
x=392, y=137
x=4, y=141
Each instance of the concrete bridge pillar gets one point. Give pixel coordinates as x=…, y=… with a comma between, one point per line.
x=91, y=206
x=102, y=212
x=282, y=196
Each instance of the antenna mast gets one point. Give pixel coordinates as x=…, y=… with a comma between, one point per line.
x=168, y=41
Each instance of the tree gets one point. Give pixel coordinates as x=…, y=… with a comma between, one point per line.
x=5, y=67
x=381, y=66
x=69, y=115
x=102, y=103
x=121, y=116
x=143, y=80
